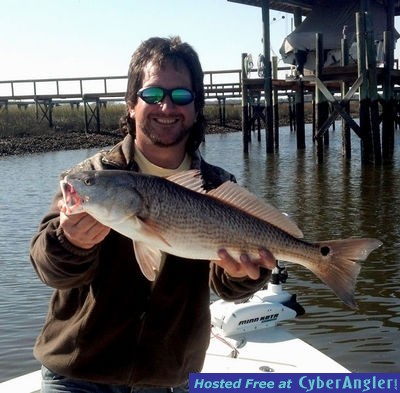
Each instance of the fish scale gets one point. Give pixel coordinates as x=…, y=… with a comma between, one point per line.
x=220, y=225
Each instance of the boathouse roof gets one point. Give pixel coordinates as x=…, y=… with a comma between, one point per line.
x=306, y=5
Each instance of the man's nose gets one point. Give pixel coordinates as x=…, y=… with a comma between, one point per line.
x=166, y=104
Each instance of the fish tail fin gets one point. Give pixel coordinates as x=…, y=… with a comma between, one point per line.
x=338, y=267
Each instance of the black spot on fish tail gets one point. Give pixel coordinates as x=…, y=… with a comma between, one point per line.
x=338, y=267
x=325, y=250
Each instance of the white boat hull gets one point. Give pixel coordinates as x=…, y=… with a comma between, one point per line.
x=28, y=383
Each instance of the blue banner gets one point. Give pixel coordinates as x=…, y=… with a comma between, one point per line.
x=294, y=383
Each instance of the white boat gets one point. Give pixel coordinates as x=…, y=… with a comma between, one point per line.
x=245, y=338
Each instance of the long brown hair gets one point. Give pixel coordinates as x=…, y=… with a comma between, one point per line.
x=161, y=51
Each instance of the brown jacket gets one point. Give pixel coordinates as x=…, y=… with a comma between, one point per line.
x=105, y=322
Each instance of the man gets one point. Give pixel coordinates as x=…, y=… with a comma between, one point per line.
x=108, y=328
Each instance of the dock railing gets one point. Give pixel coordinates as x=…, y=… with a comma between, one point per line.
x=225, y=83
x=219, y=86
x=95, y=91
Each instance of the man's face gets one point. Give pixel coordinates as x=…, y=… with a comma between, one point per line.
x=165, y=123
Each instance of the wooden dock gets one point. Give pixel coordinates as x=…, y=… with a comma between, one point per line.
x=220, y=87
x=93, y=92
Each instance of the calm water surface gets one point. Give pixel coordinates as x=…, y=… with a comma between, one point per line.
x=334, y=200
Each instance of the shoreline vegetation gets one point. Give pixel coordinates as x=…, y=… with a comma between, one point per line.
x=22, y=133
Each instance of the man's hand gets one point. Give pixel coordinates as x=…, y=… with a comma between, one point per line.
x=82, y=230
x=246, y=266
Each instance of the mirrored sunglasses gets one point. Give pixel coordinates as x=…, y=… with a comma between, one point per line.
x=155, y=94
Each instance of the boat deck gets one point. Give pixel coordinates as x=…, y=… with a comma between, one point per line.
x=268, y=350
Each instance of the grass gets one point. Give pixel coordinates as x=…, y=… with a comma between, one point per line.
x=16, y=121
x=233, y=112
x=25, y=120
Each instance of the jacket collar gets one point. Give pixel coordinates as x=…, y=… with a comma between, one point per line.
x=122, y=156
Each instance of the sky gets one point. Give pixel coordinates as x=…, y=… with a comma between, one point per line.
x=85, y=38
x=79, y=38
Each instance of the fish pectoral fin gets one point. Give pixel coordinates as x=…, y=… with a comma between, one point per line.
x=239, y=197
x=148, y=258
x=190, y=179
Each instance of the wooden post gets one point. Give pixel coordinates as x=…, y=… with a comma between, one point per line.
x=299, y=113
x=299, y=97
x=365, y=124
x=373, y=93
x=245, y=108
x=321, y=104
x=267, y=78
x=291, y=110
x=222, y=110
x=45, y=105
x=91, y=112
x=275, y=101
x=388, y=99
x=346, y=140
x=257, y=108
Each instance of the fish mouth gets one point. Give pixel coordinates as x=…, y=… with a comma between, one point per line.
x=73, y=202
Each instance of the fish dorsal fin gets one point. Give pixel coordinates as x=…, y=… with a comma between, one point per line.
x=191, y=179
x=148, y=258
x=239, y=197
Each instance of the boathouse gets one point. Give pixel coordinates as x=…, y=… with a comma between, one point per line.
x=342, y=51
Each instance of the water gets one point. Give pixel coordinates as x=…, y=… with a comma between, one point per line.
x=28, y=184
x=336, y=199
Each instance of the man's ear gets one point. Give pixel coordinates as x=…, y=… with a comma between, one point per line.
x=131, y=109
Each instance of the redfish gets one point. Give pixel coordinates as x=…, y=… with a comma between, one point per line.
x=177, y=216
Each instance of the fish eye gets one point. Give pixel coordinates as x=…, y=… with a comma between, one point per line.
x=88, y=181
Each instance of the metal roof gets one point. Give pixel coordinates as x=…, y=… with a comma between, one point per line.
x=305, y=5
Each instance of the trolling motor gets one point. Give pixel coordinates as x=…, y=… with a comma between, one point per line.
x=264, y=309
x=278, y=277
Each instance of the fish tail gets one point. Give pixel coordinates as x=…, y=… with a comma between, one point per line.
x=338, y=267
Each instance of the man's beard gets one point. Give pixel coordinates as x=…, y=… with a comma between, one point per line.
x=158, y=141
